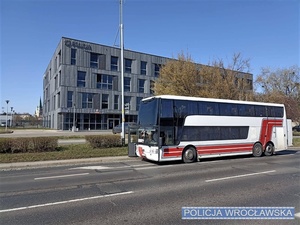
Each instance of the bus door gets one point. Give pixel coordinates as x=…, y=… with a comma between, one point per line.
x=277, y=128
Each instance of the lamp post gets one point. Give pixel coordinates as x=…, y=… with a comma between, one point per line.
x=7, y=101
x=11, y=113
x=122, y=72
x=74, y=127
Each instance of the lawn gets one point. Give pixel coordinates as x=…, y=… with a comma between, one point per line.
x=74, y=151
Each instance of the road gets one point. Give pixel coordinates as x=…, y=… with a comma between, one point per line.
x=142, y=192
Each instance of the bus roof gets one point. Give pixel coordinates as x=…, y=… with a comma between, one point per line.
x=176, y=97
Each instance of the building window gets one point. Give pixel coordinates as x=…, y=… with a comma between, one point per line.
x=156, y=69
x=114, y=63
x=81, y=79
x=94, y=60
x=104, y=81
x=58, y=100
x=55, y=82
x=73, y=56
x=127, y=84
x=127, y=102
x=152, y=83
x=87, y=100
x=104, y=101
x=143, y=67
x=250, y=84
x=70, y=99
x=141, y=86
x=54, y=102
x=116, y=102
x=128, y=63
x=138, y=102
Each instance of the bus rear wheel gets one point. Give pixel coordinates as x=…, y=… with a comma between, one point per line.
x=189, y=155
x=269, y=149
x=257, y=150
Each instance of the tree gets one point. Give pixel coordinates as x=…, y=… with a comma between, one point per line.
x=281, y=86
x=184, y=77
x=178, y=77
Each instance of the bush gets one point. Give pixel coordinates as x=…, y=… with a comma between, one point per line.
x=20, y=145
x=43, y=144
x=5, y=145
x=104, y=141
x=30, y=144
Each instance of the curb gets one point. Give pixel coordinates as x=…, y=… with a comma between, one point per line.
x=68, y=162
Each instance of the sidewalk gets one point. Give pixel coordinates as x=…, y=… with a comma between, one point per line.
x=68, y=162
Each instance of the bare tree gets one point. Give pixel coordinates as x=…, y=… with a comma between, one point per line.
x=282, y=86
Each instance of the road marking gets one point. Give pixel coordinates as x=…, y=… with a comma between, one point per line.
x=62, y=176
x=113, y=168
x=65, y=202
x=297, y=215
x=238, y=176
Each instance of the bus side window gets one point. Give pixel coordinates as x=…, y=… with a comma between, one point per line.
x=242, y=110
x=234, y=110
x=260, y=111
x=270, y=111
x=278, y=111
x=250, y=110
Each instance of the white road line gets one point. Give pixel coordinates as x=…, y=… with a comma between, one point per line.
x=238, y=176
x=62, y=176
x=113, y=168
x=297, y=215
x=65, y=202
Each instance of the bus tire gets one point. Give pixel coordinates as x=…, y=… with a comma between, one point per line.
x=257, y=150
x=189, y=155
x=269, y=149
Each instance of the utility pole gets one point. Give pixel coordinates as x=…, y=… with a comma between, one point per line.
x=7, y=101
x=122, y=71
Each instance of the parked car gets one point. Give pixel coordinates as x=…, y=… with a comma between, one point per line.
x=127, y=125
x=296, y=128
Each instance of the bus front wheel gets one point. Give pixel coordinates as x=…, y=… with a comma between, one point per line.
x=257, y=150
x=269, y=149
x=189, y=155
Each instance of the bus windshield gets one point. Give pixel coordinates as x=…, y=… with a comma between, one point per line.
x=148, y=136
x=148, y=113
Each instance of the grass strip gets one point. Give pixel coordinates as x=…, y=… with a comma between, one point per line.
x=73, y=151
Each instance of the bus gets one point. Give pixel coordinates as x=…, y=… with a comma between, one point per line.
x=191, y=128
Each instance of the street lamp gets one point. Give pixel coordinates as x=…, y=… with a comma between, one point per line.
x=11, y=112
x=73, y=128
x=7, y=101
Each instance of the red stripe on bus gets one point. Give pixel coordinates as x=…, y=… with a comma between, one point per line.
x=173, y=152
x=212, y=149
x=267, y=129
x=141, y=152
x=224, y=148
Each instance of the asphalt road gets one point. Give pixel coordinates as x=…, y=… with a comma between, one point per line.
x=141, y=192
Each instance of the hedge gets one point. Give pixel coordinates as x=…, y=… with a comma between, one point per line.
x=28, y=144
x=103, y=141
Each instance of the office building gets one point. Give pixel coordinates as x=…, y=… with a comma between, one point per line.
x=82, y=85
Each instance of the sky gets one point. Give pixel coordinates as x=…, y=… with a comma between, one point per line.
x=264, y=31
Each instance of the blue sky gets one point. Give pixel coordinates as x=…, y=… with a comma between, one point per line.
x=265, y=31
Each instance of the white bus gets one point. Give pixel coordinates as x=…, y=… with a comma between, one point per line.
x=190, y=128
